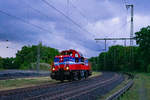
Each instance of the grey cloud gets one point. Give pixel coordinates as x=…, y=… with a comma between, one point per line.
x=56, y=24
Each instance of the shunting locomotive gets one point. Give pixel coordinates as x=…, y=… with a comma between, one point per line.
x=70, y=65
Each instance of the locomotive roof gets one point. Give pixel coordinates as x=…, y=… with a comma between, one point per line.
x=71, y=50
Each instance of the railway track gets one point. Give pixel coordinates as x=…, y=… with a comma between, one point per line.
x=87, y=89
x=13, y=74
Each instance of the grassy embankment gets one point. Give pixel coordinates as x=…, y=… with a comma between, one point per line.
x=27, y=82
x=139, y=91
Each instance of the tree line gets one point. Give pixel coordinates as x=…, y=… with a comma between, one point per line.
x=28, y=56
x=117, y=58
x=121, y=58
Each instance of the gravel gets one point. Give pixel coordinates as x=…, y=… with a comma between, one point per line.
x=9, y=74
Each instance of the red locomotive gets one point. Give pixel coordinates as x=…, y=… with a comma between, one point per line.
x=70, y=65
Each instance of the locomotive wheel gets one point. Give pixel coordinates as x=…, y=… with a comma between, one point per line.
x=61, y=76
x=83, y=74
x=75, y=76
x=86, y=74
x=69, y=80
x=62, y=80
x=71, y=77
x=79, y=75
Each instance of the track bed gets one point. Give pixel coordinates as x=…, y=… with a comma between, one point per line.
x=87, y=89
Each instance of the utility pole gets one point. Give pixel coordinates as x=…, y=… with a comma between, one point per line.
x=131, y=27
x=131, y=32
x=131, y=35
x=111, y=39
x=38, y=56
x=107, y=39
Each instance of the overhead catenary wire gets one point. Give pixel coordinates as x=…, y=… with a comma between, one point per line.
x=36, y=10
x=23, y=20
x=70, y=19
x=14, y=46
x=126, y=22
x=41, y=13
x=124, y=2
x=79, y=11
x=121, y=27
x=53, y=7
x=69, y=5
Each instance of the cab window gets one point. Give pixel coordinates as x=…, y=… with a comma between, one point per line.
x=76, y=55
x=70, y=53
x=76, y=58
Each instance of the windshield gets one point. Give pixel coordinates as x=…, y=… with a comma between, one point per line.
x=56, y=59
x=66, y=53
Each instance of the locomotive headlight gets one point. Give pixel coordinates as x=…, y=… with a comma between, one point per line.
x=53, y=68
x=67, y=68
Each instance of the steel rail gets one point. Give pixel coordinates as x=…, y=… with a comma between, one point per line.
x=67, y=90
x=123, y=90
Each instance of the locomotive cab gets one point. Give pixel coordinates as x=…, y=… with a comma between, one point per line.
x=70, y=65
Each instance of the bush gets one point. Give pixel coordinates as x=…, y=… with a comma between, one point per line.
x=43, y=66
x=25, y=66
x=148, y=68
x=1, y=63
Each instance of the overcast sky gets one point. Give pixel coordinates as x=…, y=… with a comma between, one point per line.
x=26, y=22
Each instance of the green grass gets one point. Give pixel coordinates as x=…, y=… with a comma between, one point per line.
x=24, y=82
x=27, y=82
x=95, y=74
x=140, y=89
